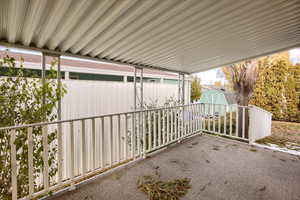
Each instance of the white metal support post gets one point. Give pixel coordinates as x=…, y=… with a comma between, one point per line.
x=59, y=114
x=43, y=78
x=138, y=105
x=60, y=145
x=59, y=85
x=181, y=99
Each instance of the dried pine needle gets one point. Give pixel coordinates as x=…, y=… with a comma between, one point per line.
x=159, y=190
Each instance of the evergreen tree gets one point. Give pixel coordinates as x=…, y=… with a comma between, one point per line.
x=276, y=89
x=292, y=94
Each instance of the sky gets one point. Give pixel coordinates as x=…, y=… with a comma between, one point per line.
x=210, y=76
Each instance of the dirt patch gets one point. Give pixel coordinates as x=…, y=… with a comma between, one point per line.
x=164, y=190
x=287, y=131
x=284, y=134
x=253, y=150
x=216, y=148
x=263, y=188
x=204, y=187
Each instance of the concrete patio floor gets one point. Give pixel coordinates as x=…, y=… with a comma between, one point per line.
x=219, y=168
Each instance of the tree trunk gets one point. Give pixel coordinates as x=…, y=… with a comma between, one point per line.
x=243, y=100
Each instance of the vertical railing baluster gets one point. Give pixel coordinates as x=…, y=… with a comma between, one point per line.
x=138, y=133
x=72, y=159
x=200, y=116
x=168, y=125
x=209, y=114
x=30, y=162
x=155, y=129
x=60, y=154
x=144, y=133
x=159, y=128
x=243, y=133
x=219, y=118
x=225, y=118
x=94, y=142
x=176, y=122
x=125, y=138
x=172, y=123
x=188, y=120
x=164, y=126
x=193, y=118
x=111, y=141
x=182, y=121
x=119, y=139
x=230, y=118
x=149, y=130
x=196, y=117
x=13, y=160
x=237, y=121
x=102, y=142
x=133, y=136
x=185, y=120
x=214, y=118
x=83, y=147
x=45, y=157
x=204, y=116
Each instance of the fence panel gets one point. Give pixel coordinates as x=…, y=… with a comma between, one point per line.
x=259, y=124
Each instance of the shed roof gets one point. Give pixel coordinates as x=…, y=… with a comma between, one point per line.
x=183, y=36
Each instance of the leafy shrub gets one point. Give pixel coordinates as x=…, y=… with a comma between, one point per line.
x=24, y=101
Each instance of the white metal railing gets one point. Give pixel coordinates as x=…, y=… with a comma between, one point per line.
x=226, y=120
x=91, y=145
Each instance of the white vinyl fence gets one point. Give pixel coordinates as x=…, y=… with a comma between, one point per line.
x=89, y=98
x=260, y=122
x=94, y=98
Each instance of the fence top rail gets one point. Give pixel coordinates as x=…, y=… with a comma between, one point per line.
x=97, y=116
x=260, y=109
x=91, y=117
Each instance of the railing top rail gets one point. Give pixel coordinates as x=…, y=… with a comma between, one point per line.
x=260, y=109
x=90, y=117
x=97, y=116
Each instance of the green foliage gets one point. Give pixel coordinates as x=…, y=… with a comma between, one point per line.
x=195, y=89
x=25, y=101
x=277, y=90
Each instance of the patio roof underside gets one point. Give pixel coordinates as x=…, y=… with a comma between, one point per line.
x=181, y=36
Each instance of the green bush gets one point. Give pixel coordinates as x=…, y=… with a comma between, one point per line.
x=25, y=101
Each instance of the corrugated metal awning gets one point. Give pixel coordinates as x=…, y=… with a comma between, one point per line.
x=177, y=35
